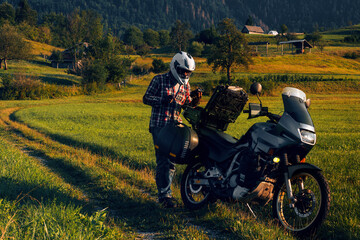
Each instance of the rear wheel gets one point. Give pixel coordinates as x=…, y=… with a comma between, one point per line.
x=312, y=202
x=194, y=195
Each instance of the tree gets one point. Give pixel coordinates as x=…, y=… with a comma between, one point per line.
x=208, y=36
x=230, y=48
x=314, y=37
x=105, y=48
x=133, y=36
x=196, y=49
x=321, y=45
x=164, y=37
x=94, y=76
x=7, y=12
x=59, y=28
x=151, y=37
x=24, y=13
x=106, y=54
x=250, y=21
x=74, y=27
x=284, y=29
x=91, y=26
x=57, y=56
x=143, y=50
x=118, y=69
x=180, y=35
x=12, y=45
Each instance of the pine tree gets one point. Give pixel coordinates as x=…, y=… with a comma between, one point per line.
x=24, y=13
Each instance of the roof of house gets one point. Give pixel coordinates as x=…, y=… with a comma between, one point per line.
x=298, y=43
x=255, y=29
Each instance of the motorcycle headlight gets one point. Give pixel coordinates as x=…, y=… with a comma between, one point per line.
x=308, y=137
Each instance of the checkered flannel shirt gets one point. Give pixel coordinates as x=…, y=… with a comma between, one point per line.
x=162, y=86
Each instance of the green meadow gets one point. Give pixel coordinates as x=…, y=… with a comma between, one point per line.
x=93, y=158
x=83, y=167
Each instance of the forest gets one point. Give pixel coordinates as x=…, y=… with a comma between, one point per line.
x=306, y=16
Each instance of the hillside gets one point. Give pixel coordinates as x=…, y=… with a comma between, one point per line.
x=161, y=14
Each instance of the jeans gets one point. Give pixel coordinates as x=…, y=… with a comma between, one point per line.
x=164, y=169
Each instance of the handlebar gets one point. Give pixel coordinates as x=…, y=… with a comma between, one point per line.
x=273, y=117
x=256, y=110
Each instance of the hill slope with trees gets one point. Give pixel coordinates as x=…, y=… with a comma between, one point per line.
x=200, y=14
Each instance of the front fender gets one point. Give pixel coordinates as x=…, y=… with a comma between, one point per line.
x=294, y=168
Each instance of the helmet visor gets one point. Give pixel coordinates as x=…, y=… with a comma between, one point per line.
x=183, y=73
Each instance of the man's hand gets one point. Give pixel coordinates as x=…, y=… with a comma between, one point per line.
x=167, y=99
x=196, y=96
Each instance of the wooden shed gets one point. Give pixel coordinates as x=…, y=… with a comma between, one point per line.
x=300, y=45
x=252, y=30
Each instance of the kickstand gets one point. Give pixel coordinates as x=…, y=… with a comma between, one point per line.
x=247, y=204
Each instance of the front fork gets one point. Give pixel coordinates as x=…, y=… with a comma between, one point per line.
x=289, y=192
x=287, y=180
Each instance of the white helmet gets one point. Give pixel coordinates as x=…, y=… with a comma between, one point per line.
x=182, y=62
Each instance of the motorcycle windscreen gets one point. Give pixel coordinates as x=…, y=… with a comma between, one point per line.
x=294, y=105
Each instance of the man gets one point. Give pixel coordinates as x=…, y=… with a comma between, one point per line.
x=166, y=94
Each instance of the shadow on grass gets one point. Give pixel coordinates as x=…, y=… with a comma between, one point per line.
x=59, y=79
x=24, y=192
x=141, y=213
x=40, y=62
x=94, y=148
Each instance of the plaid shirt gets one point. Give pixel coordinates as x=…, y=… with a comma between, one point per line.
x=159, y=90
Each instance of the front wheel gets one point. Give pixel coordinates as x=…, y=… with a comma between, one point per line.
x=193, y=195
x=312, y=202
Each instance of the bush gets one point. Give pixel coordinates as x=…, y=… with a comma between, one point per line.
x=158, y=66
x=352, y=55
x=196, y=49
x=244, y=82
x=94, y=75
x=140, y=69
x=355, y=38
x=117, y=69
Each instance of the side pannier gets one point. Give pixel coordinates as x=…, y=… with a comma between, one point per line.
x=177, y=141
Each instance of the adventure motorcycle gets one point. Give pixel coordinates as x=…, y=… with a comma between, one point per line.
x=268, y=160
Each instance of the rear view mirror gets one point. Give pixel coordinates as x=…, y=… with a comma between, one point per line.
x=255, y=88
x=254, y=110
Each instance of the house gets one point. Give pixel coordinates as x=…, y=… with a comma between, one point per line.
x=70, y=58
x=252, y=30
x=273, y=32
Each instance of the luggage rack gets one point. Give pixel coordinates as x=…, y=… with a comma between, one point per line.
x=224, y=107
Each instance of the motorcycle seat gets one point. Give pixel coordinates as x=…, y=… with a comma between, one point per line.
x=220, y=145
x=218, y=136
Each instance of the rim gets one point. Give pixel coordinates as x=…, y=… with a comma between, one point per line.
x=194, y=193
x=307, y=193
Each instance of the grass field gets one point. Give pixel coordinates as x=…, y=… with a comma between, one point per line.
x=98, y=149
x=83, y=167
